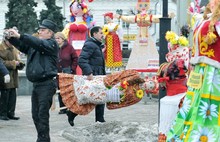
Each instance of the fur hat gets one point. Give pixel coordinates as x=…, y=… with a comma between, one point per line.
x=60, y=35
x=48, y=24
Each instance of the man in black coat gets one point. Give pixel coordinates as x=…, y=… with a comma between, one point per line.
x=91, y=61
x=42, y=55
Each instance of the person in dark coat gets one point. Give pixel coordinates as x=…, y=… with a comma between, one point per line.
x=92, y=62
x=41, y=70
x=10, y=58
x=67, y=61
x=4, y=73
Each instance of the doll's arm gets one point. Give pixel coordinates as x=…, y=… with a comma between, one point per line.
x=127, y=19
x=66, y=30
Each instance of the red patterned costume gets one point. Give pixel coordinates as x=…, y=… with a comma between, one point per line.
x=113, y=39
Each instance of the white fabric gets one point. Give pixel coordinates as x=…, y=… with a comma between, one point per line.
x=217, y=27
x=113, y=95
x=94, y=91
x=168, y=111
x=90, y=91
x=7, y=78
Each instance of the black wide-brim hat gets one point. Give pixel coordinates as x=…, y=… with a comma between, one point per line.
x=48, y=24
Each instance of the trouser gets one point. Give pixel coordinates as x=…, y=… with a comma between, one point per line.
x=99, y=113
x=8, y=102
x=41, y=102
x=60, y=101
x=60, y=98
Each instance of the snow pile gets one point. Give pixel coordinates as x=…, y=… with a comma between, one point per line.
x=115, y=131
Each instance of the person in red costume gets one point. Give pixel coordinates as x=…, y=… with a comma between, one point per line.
x=77, y=30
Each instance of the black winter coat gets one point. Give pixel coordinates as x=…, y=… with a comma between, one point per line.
x=91, y=58
x=42, y=56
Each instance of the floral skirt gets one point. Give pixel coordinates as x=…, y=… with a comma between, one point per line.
x=198, y=119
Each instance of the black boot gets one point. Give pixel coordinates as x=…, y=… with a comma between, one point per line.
x=71, y=117
x=99, y=113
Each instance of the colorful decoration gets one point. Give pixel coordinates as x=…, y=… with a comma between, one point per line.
x=175, y=40
x=113, y=39
x=144, y=47
x=198, y=118
x=140, y=94
x=124, y=85
x=194, y=7
x=210, y=38
x=105, y=30
x=77, y=30
x=151, y=85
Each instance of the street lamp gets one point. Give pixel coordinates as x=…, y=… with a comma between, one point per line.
x=165, y=25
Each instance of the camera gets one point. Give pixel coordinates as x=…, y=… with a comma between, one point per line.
x=7, y=34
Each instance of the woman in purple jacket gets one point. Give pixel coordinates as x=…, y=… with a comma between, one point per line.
x=67, y=61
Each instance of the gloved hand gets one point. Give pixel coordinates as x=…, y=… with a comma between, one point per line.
x=7, y=78
x=20, y=66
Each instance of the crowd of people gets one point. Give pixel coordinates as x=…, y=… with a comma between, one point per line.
x=48, y=54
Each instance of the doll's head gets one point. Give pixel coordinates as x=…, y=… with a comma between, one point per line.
x=108, y=17
x=143, y=5
x=151, y=85
x=78, y=8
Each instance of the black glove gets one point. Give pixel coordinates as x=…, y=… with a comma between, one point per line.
x=20, y=66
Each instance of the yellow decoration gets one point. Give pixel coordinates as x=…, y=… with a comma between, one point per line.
x=193, y=21
x=183, y=41
x=84, y=10
x=210, y=38
x=116, y=28
x=170, y=35
x=124, y=84
x=130, y=37
x=174, y=39
x=204, y=49
x=195, y=80
x=140, y=94
x=105, y=30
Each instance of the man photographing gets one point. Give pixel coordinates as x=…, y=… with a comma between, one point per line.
x=41, y=70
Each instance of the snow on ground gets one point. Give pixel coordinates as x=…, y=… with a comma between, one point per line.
x=115, y=131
